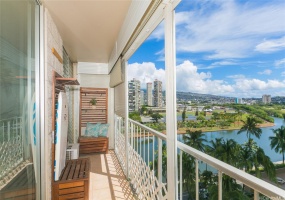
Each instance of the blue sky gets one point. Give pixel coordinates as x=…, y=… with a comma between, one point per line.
x=224, y=47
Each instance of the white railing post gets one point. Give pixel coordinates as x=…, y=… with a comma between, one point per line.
x=171, y=119
x=144, y=145
x=180, y=176
x=127, y=146
x=197, y=178
x=140, y=141
x=153, y=152
x=220, y=185
x=147, y=148
x=8, y=130
x=132, y=135
x=159, y=163
x=256, y=195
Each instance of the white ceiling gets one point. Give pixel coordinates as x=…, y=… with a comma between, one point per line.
x=89, y=28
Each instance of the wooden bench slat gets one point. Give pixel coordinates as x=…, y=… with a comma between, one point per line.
x=77, y=170
x=72, y=170
x=71, y=196
x=65, y=171
x=71, y=190
x=82, y=169
x=70, y=185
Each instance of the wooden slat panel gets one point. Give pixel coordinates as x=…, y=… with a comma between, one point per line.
x=71, y=190
x=87, y=113
x=71, y=185
x=71, y=196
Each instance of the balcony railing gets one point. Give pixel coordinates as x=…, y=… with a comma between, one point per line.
x=144, y=163
x=11, y=146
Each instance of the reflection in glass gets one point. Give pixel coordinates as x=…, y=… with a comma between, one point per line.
x=17, y=99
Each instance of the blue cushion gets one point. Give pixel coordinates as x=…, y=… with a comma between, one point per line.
x=92, y=130
x=103, y=130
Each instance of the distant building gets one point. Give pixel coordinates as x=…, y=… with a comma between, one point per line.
x=266, y=98
x=149, y=94
x=142, y=98
x=134, y=95
x=157, y=93
x=239, y=101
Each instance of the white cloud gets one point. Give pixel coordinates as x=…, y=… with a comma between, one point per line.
x=269, y=46
x=189, y=79
x=145, y=72
x=237, y=76
x=226, y=29
x=283, y=73
x=266, y=72
x=280, y=63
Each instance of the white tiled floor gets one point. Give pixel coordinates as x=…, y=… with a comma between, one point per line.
x=107, y=180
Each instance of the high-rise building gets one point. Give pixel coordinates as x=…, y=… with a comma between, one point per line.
x=134, y=95
x=266, y=98
x=142, y=98
x=157, y=93
x=238, y=101
x=149, y=94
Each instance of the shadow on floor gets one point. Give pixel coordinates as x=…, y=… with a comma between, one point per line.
x=107, y=180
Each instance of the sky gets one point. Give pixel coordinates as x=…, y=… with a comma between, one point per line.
x=232, y=48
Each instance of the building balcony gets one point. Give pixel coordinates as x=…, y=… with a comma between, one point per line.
x=141, y=153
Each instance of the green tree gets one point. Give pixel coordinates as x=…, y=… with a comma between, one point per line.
x=200, y=117
x=184, y=115
x=135, y=116
x=144, y=110
x=224, y=150
x=156, y=117
x=253, y=157
x=250, y=127
x=195, y=139
x=197, y=112
x=278, y=141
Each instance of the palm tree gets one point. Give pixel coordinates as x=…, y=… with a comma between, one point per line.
x=252, y=156
x=226, y=151
x=278, y=141
x=250, y=127
x=195, y=139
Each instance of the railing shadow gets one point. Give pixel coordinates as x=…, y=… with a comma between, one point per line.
x=107, y=179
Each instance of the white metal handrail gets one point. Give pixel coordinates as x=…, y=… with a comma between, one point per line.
x=146, y=182
x=137, y=130
x=251, y=181
x=156, y=133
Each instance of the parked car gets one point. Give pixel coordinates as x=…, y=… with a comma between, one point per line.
x=280, y=180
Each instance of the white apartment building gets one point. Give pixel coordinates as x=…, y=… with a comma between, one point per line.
x=149, y=94
x=134, y=95
x=157, y=93
x=266, y=98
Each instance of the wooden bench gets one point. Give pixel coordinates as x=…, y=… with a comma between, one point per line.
x=93, y=144
x=74, y=181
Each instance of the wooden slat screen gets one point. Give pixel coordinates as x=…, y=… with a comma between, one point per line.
x=87, y=113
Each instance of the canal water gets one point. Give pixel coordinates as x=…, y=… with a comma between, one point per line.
x=263, y=141
x=241, y=138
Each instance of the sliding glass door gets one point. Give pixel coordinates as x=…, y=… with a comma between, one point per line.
x=19, y=161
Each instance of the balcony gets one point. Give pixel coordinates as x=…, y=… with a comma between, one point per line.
x=139, y=150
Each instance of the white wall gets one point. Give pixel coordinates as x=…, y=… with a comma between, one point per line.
x=96, y=81
x=52, y=40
